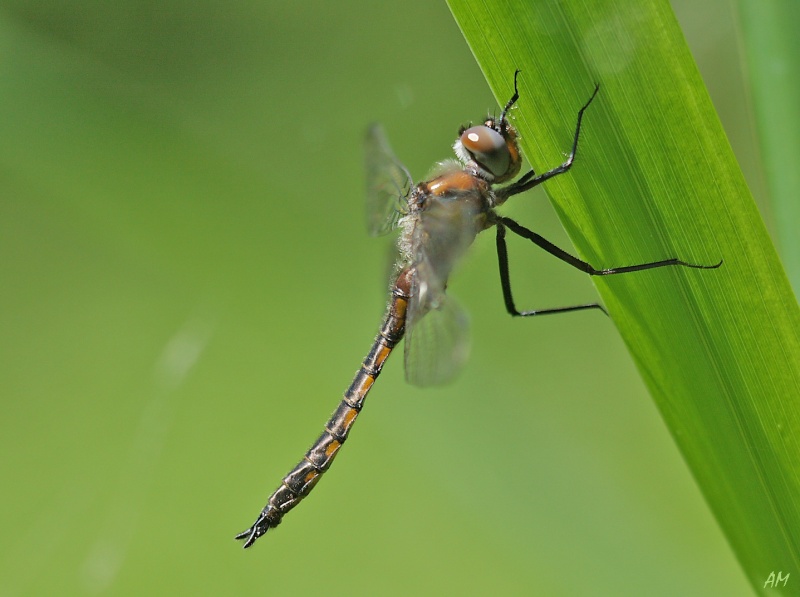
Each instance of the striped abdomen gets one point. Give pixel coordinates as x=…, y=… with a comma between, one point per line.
x=303, y=477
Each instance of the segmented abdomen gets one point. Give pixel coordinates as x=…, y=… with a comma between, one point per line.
x=303, y=477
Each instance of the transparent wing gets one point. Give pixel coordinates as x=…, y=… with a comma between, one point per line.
x=388, y=183
x=437, y=328
x=437, y=343
x=442, y=234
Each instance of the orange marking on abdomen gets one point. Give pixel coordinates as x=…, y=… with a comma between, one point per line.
x=364, y=386
x=400, y=306
x=382, y=355
x=349, y=417
x=332, y=448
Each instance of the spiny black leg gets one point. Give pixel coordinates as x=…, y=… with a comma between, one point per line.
x=528, y=181
x=528, y=175
x=505, y=282
x=584, y=266
x=513, y=99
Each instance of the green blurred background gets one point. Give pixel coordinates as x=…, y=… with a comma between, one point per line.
x=187, y=289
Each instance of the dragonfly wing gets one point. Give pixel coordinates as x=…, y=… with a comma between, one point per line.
x=388, y=183
x=437, y=328
x=444, y=232
x=437, y=343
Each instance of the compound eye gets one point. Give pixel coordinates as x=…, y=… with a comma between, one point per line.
x=488, y=148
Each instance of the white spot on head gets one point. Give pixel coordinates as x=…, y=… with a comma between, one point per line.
x=474, y=137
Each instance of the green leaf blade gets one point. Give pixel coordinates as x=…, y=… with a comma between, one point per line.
x=655, y=178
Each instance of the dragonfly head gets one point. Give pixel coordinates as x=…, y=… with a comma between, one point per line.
x=491, y=148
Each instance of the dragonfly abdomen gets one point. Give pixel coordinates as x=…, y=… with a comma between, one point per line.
x=319, y=457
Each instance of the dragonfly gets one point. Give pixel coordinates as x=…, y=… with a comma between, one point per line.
x=438, y=221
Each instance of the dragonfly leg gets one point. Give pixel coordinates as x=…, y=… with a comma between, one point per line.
x=528, y=175
x=583, y=265
x=513, y=99
x=505, y=282
x=529, y=181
